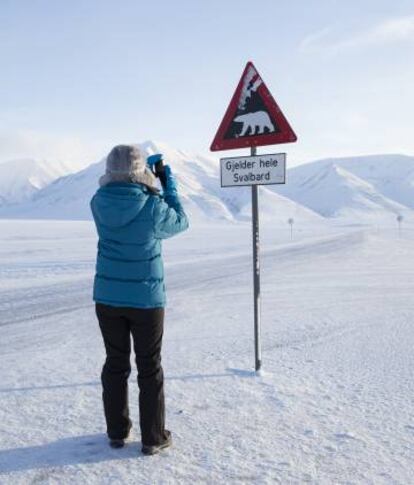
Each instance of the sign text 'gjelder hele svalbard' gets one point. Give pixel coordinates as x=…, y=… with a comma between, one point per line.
x=253, y=170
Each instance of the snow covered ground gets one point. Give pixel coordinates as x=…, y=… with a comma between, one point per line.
x=334, y=404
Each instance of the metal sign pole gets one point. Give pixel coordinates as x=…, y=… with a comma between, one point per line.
x=238, y=130
x=256, y=272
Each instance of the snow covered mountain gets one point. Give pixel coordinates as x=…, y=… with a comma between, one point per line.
x=68, y=197
x=357, y=188
x=391, y=175
x=21, y=179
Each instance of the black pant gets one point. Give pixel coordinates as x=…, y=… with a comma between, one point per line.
x=146, y=326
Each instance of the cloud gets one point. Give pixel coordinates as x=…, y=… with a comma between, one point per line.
x=40, y=145
x=315, y=40
x=394, y=30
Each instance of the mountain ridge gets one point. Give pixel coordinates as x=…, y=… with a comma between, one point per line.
x=356, y=188
x=199, y=187
x=359, y=187
x=21, y=178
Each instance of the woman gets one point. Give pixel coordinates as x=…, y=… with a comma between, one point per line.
x=131, y=218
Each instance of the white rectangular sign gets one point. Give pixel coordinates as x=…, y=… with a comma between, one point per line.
x=253, y=170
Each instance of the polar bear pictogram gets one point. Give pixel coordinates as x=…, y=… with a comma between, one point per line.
x=258, y=119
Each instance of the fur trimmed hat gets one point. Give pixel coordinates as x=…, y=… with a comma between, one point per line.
x=125, y=163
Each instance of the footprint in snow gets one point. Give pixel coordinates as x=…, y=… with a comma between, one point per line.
x=344, y=436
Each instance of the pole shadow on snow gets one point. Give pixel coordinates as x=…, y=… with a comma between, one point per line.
x=186, y=377
x=52, y=386
x=66, y=451
x=230, y=373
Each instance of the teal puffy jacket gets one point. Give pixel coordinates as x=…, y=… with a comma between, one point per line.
x=131, y=220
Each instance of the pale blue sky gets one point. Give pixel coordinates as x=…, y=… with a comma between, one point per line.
x=79, y=76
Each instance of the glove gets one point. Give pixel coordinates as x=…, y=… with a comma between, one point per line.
x=169, y=184
x=155, y=163
x=153, y=159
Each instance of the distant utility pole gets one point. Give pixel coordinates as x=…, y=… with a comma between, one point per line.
x=290, y=222
x=400, y=218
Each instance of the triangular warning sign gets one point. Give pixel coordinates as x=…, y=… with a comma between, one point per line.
x=253, y=117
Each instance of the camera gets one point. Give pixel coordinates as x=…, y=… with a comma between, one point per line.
x=156, y=163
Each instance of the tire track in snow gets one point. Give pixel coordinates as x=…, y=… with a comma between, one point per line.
x=222, y=267
x=32, y=303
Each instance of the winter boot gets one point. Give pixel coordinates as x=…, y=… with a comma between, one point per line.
x=116, y=443
x=154, y=449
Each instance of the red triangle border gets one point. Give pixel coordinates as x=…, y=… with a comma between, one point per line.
x=285, y=135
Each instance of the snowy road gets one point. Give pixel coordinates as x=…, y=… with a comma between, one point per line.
x=335, y=403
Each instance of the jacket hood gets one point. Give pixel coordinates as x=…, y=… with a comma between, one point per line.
x=117, y=204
